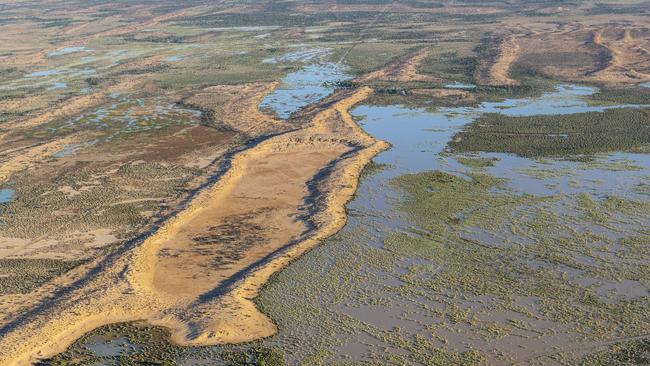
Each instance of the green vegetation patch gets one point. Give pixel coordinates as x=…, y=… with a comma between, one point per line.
x=367, y=57
x=638, y=95
x=90, y=199
x=476, y=162
x=635, y=352
x=536, y=136
x=540, y=253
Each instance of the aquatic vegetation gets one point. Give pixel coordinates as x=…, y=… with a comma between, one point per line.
x=534, y=136
x=476, y=162
x=635, y=352
x=124, y=118
x=304, y=87
x=447, y=258
x=622, y=96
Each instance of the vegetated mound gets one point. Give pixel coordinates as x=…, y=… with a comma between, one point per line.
x=497, y=56
x=547, y=135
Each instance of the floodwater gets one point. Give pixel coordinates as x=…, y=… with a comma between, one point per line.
x=127, y=115
x=457, y=85
x=115, y=347
x=345, y=300
x=310, y=84
x=419, y=139
x=6, y=195
x=68, y=50
x=58, y=86
x=68, y=149
x=337, y=304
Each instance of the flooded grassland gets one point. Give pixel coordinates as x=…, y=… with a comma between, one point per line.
x=456, y=256
x=474, y=257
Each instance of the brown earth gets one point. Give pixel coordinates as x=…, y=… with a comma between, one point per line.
x=402, y=71
x=494, y=67
x=613, y=55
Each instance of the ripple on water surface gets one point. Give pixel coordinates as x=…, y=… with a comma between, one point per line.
x=306, y=86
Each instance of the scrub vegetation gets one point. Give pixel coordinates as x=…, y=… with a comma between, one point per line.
x=621, y=129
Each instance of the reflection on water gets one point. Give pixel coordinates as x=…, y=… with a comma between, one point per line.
x=457, y=85
x=358, y=322
x=419, y=139
x=341, y=303
x=306, y=86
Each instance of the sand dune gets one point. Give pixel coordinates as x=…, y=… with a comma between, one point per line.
x=177, y=277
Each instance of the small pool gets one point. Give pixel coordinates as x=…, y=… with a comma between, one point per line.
x=6, y=195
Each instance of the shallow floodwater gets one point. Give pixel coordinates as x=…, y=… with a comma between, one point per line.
x=114, y=347
x=68, y=50
x=306, y=86
x=419, y=139
x=457, y=85
x=344, y=301
x=6, y=195
x=336, y=304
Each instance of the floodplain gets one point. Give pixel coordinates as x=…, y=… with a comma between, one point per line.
x=351, y=183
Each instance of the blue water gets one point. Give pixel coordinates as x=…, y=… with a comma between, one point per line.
x=43, y=73
x=67, y=150
x=304, y=55
x=58, y=86
x=419, y=140
x=6, y=195
x=304, y=87
x=457, y=85
x=67, y=50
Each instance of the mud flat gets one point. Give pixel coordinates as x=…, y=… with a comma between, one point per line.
x=191, y=275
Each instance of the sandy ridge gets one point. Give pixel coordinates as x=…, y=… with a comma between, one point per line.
x=403, y=71
x=127, y=289
x=495, y=70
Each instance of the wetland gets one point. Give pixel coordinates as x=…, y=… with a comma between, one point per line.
x=324, y=183
x=452, y=257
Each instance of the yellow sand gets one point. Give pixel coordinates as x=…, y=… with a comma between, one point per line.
x=264, y=190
